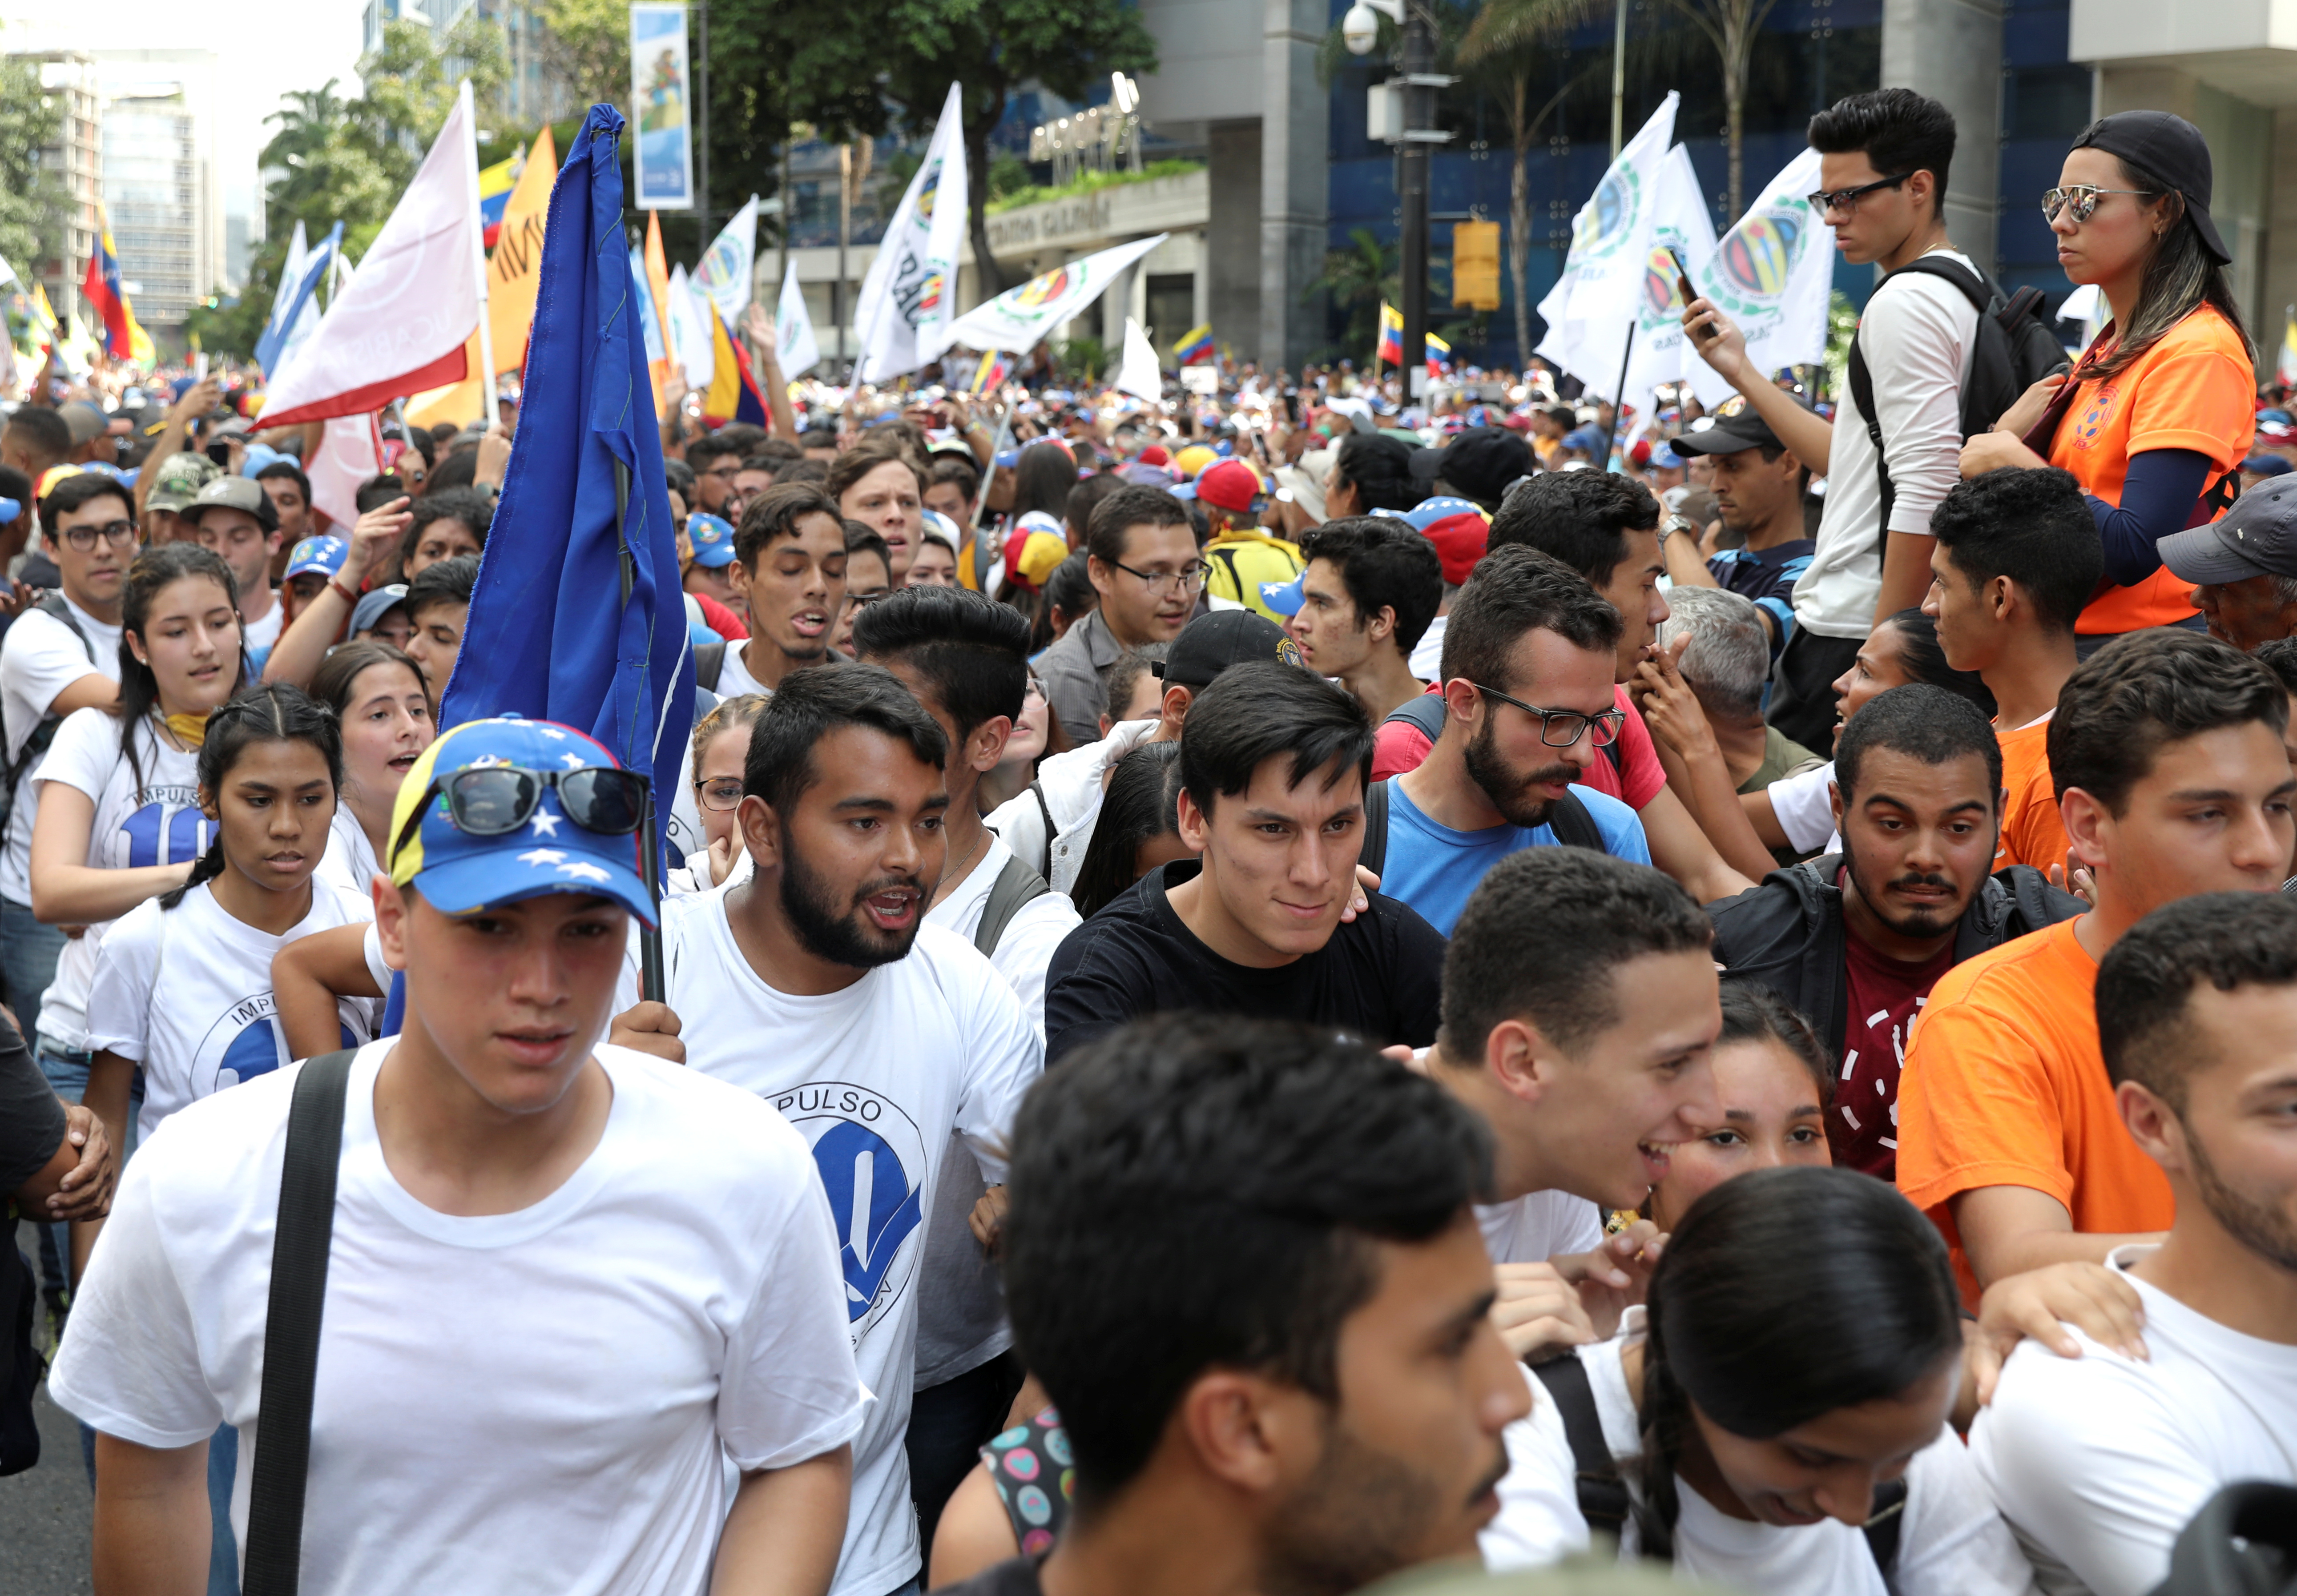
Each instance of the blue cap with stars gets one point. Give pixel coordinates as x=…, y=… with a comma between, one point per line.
x=460, y=874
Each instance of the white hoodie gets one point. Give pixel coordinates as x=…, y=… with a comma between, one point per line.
x=1072, y=784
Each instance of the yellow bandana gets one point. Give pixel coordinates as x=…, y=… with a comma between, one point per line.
x=191, y=730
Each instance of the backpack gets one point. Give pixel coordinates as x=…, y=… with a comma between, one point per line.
x=2012, y=350
x=1016, y=886
x=709, y=661
x=44, y=733
x=2243, y=1542
x=1602, y=1494
x=1573, y=826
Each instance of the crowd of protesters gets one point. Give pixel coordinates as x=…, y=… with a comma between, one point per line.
x=1255, y=992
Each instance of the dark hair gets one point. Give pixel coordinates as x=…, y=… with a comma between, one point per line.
x=1124, y=676
x=1753, y=1013
x=1129, y=506
x=1380, y=469
x=268, y=712
x=741, y=437
x=702, y=450
x=1143, y=802
x=776, y=512
x=949, y=468
x=290, y=471
x=2032, y=526
x=1043, y=480
x=1196, y=1192
x=1069, y=587
x=862, y=539
x=1926, y=723
x=1513, y=591
x=49, y=431
x=468, y=506
x=1581, y=517
x=1764, y=1333
x=149, y=575
x=378, y=491
x=1384, y=564
x=1925, y=661
x=678, y=476
x=1258, y=709
x=1542, y=934
x=442, y=581
x=1897, y=129
x=972, y=651
x=811, y=704
x=771, y=454
x=2146, y=689
x=2227, y=940
x=14, y=484
x=860, y=461
x=337, y=677
x=2181, y=276
x=1085, y=498
x=458, y=472
x=809, y=472
x=77, y=491
x=2279, y=656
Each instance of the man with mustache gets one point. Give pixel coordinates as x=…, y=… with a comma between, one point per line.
x=1857, y=940
x=817, y=983
x=1528, y=706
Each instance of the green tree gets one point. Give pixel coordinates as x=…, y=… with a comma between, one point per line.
x=1358, y=278
x=588, y=42
x=1731, y=26
x=34, y=205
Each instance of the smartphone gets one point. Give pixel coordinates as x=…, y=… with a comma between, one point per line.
x=199, y=367
x=1683, y=286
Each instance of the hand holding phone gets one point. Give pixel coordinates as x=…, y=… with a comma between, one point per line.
x=1683, y=286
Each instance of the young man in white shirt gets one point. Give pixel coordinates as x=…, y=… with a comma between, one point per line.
x=967, y=658
x=232, y=519
x=789, y=574
x=570, y=1283
x=2098, y=1462
x=1883, y=174
x=816, y=984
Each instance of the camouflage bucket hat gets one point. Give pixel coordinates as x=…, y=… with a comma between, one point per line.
x=179, y=480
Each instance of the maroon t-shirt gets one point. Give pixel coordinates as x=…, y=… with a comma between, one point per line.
x=1885, y=995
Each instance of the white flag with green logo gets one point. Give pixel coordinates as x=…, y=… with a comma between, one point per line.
x=1021, y=318
x=1680, y=220
x=1771, y=275
x=1592, y=303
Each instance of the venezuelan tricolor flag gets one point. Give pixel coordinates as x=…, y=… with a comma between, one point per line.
x=1391, y=335
x=495, y=184
x=733, y=394
x=995, y=366
x=1439, y=355
x=1195, y=348
x=123, y=338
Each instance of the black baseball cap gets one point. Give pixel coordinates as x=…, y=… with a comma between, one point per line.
x=1480, y=463
x=1727, y=434
x=2258, y=537
x=2167, y=149
x=1210, y=644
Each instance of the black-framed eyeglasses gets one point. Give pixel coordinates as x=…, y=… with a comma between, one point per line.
x=723, y=794
x=862, y=601
x=1188, y=579
x=728, y=471
x=120, y=534
x=1846, y=200
x=2079, y=201
x=491, y=800
x=1561, y=728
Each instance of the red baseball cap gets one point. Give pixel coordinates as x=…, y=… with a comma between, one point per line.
x=1229, y=485
x=1155, y=454
x=1460, y=542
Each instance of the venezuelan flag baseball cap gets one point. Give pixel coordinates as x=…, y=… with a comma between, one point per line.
x=461, y=874
x=324, y=556
x=712, y=537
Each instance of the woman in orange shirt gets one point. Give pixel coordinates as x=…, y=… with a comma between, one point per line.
x=2162, y=406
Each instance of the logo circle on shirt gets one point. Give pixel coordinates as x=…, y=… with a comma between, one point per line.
x=2096, y=413
x=872, y=1162
x=242, y=1043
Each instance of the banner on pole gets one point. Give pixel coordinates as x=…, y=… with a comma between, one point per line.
x=1680, y=220
x=728, y=270
x=1592, y=303
x=796, y=350
x=1021, y=318
x=661, y=107
x=1771, y=275
x=909, y=295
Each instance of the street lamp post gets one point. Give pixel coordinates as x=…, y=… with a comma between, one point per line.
x=1405, y=115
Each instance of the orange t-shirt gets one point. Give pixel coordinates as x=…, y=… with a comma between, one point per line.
x=2004, y=1086
x=2196, y=390
x=2032, y=834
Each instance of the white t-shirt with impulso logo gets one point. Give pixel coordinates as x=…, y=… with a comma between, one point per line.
x=875, y=1078
x=536, y=1404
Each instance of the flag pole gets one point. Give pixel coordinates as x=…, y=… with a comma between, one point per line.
x=1619, y=395
x=488, y=411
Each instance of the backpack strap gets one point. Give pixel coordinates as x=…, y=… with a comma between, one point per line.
x=1981, y=294
x=1603, y=1499
x=1017, y=885
x=291, y=1334
x=1574, y=826
x=1037, y=791
x=1375, y=839
x=1424, y=714
x=709, y=662
x=1883, y=1526
x=53, y=604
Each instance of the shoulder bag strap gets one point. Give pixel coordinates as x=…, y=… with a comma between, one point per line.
x=1862, y=390
x=1603, y=1499
x=1374, y=855
x=1016, y=888
x=290, y=1335
x=1574, y=827
x=1882, y=1528
x=1037, y=791
x=709, y=664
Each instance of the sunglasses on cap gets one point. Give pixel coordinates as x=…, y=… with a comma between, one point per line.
x=492, y=800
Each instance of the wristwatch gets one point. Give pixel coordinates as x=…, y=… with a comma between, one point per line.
x=1677, y=523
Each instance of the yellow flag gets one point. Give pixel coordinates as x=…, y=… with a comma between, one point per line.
x=514, y=273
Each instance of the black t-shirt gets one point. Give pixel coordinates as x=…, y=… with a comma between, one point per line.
x=31, y=1119
x=1381, y=979
x=1015, y=1576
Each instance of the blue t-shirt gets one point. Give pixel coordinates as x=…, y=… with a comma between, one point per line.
x=1768, y=577
x=1434, y=867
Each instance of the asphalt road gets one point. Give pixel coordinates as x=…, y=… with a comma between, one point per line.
x=45, y=1512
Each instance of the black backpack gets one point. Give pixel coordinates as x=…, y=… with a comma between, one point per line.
x=44, y=733
x=1573, y=826
x=2242, y=1542
x=1606, y=1505
x=2013, y=349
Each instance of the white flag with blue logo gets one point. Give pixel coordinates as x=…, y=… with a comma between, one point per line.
x=1771, y=275
x=1681, y=220
x=1592, y=303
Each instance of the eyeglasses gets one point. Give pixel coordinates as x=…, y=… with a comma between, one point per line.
x=2079, y=201
x=727, y=472
x=491, y=800
x=723, y=794
x=1846, y=200
x=1190, y=579
x=120, y=534
x=862, y=601
x=1561, y=728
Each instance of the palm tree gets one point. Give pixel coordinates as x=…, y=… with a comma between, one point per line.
x=1731, y=26
x=1359, y=278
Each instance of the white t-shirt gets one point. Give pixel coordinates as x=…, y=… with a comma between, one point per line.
x=186, y=993
x=1952, y=1542
x=1804, y=807
x=38, y=659
x=1916, y=333
x=734, y=677
x=349, y=862
x=157, y=823
x=2099, y=1462
x=875, y=1078
x=1427, y=661
x=260, y=635
x=539, y=1401
x=1538, y=1225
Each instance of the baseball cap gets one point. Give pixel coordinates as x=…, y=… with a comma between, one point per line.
x=712, y=537
x=1193, y=459
x=1458, y=527
x=2258, y=537
x=180, y=478
x=1210, y=644
x=233, y=493
x=322, y=556
x=460, y=873
x=1588, y=441
x=1229, y=485
x=375, y=604
x=2168, y=149
x=85, y=421
x=1727, y=434
x=2266, y=466
x=1666, y=457
x=1481, y=463
x=1155, y=454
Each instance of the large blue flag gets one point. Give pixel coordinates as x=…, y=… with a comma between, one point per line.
x=584, y=509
